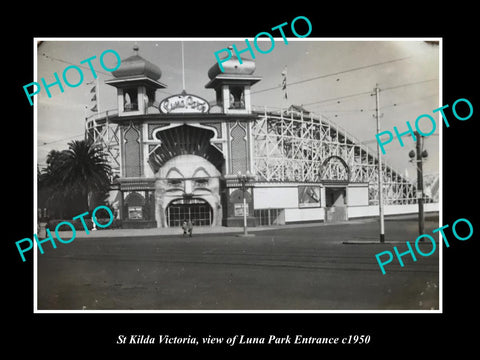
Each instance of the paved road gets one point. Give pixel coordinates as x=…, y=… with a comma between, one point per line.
x=306, y=268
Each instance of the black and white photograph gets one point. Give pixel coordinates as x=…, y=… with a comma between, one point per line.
x=247, y=183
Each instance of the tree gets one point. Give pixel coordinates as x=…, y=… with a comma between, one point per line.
x=74, y=176
x=50, y=194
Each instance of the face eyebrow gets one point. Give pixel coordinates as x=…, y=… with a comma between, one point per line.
x=174, y=173
x=199, y=170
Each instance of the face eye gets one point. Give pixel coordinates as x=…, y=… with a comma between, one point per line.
x=174, y=182
x=201, y=182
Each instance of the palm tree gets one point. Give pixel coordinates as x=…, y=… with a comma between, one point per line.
x=50, y=194
x=75, y=175
x=85, y=171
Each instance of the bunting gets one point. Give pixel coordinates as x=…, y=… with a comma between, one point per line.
x=93, y=101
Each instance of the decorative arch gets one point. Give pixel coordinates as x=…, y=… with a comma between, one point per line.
x=132, y=151
x=155, y=130
x=239, y=147
x=335, y=168
x=135, y=199
x=182, y=140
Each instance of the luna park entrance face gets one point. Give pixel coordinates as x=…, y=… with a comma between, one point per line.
x=196, y=210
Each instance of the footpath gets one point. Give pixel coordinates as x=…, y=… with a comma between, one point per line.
x=112, y=233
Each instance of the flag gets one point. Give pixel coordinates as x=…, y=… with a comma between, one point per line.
x=94, y=108
x=94, y=89
x=284, y=82
x=94, y=98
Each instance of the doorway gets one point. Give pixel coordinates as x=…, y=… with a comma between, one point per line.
x=196, y=210
x=335, y=204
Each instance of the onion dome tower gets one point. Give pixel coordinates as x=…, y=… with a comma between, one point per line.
x=232, y=86
x=136, y=81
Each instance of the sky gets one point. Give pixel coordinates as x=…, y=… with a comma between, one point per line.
x=331, y=77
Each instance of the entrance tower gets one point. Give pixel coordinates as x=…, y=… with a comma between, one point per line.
x=136, y=81
x=232, y=89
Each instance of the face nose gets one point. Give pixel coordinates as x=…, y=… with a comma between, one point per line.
x=188, y=187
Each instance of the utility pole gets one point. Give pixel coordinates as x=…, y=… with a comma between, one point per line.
x=380, y=173
x=420, y=155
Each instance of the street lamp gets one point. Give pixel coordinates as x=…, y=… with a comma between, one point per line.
x=243, y=179
x=420, y=154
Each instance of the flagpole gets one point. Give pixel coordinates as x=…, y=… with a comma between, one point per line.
x=97, y=92
x=284, y=85
x=85, y=115
x=183, y=67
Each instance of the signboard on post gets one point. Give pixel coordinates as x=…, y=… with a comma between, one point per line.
x=238, y=209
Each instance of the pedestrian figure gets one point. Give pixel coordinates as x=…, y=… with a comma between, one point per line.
x=190, y=227
x=184, y=227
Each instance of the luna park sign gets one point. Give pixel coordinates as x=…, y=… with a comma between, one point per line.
x=184, y=103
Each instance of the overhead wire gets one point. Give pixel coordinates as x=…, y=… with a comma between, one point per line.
x=369, y=92
x=70, y=63
x=332, y=74
x=396, y=104
x=62, y=139
x=85, y=67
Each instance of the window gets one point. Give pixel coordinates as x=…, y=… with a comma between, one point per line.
x=237, y=99
x=130, y=99
x=270, y=217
